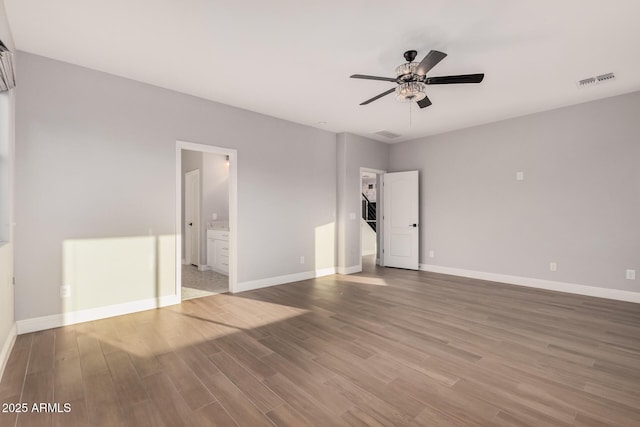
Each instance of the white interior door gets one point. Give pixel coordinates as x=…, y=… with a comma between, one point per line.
x=192, y=217
x=401, y=227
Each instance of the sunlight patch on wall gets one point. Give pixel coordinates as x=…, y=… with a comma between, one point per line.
x=108, y=271
x=325, y=250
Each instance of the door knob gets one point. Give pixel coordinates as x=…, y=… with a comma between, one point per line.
x=413, y=225
x=190, y=224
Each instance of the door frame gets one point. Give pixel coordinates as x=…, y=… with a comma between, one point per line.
x=379, y=224
x=233, y=209
x=197, y=207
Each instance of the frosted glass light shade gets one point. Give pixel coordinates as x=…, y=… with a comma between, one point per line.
x=406, y=68
x=410, y=92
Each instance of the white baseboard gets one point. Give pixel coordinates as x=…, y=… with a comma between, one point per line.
x=204, y=267
x=571, y=288
x=280, y=280
x=55, y=321
x=371, y=252
x=184, y=262
x=7, y=346
x=350, y=270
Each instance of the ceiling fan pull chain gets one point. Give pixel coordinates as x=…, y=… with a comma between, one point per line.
x=410, y=114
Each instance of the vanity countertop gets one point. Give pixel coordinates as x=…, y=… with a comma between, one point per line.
x=218, y=225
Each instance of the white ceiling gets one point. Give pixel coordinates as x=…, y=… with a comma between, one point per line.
x=292, y=58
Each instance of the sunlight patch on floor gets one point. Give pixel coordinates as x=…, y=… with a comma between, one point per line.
x=376, y=281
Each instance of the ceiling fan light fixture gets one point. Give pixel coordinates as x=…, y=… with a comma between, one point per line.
x=406, y=69
x=411, y=92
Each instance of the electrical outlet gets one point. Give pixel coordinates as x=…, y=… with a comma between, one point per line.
x=432, y=254
x=301, y=260
x=631, y=275
x=553, y=266
x=65, y=291
x=519, y=176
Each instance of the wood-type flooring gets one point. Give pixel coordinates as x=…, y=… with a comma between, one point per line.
x=385, y=347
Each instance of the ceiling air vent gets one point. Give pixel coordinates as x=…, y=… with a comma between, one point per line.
x=388, y=134
x=591, y=81
x=605, y=77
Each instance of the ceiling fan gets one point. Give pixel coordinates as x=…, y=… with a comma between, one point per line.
x=412, y=80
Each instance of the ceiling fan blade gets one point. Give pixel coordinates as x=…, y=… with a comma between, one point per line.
x=424, y=102
x=362, y=76
x=430, y=61
x=378, y=96
x=447, y=80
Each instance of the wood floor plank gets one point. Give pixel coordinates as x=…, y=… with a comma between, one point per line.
x=101, y=399
x=238, y=405
x=68, y=382
x=261, y=396
x=76, y=417
x=16, y=369
x=188, y=384
x=302, y=402
x=172, y=408
x=312, y=385
x=252, y=363
x=126, y=381
x=142, y=414
x=214, y=415
x=66, y=343
x=43, y=352
x=377, y=408
x=285, y=416
x=38, y=388
x=91, y=357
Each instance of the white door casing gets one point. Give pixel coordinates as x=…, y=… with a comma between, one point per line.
x=192, y=216
x=233, y=210
x=401, y=216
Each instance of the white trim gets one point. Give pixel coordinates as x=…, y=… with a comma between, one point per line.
x=351, y=270
x=73, y=317
x=6, y=349
x=204, y=267
x=280, y=280
x=370, y=252
x=325, y=272
x=233, y=209
x=571, y=288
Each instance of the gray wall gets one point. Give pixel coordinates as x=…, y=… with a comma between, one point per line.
x=215, y=187
x=96, y=159
x=354, y=152
x=579, y=203
x=7, y=111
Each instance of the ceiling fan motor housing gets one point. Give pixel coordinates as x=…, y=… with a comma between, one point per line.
x=410, y=55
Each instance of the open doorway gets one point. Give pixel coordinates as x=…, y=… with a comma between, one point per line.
x=370, y=217
x=206, y=211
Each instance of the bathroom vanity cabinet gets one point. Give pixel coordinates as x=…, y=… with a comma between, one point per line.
x=218, y=251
